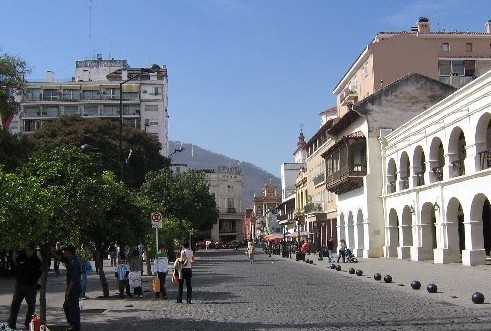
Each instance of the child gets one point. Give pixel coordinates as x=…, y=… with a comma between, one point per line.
x=136, y=269
x=121, y=273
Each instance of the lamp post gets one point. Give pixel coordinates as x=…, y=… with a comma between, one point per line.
x=120, y=157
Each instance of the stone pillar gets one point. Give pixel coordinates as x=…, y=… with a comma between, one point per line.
x=474, y=253
x=447, y=250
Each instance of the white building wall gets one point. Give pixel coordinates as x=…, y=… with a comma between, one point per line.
x=424, y=222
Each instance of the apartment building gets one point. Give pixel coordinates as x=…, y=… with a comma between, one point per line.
x=436, y=174
x=226, y=184
x=452, y=57
x=98, y=89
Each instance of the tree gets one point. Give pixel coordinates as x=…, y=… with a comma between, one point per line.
x=185, y=196
x=14, y=149
x=141, y=149
x=12, y=71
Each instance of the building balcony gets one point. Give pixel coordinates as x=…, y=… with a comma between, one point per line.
x=348, y=97
x=346, y=179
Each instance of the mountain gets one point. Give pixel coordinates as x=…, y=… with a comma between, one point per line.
x=253, y=177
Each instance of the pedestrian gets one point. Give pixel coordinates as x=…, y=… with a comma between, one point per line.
x=186, y=259
x=251, y=250
x=122, y=272
x=72, y=293
x=342, y=250
x=28, y=269
x=112, y=253
x=134, y=277
x=330, y=249
x=86, y=269
x=161, y=264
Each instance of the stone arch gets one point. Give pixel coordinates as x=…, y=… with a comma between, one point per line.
x=405, y=233
x=436, y=160
x=392, y=234
x=480, y=217
x=391, y=176
x=483, y=142
x=455, y=226
x=428, y=231
x=404, y=171
x=419, y=166
x=456, y=152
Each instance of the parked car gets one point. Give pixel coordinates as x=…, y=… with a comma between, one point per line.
x=202, y=244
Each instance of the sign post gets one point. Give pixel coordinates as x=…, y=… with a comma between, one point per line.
x=156, y=219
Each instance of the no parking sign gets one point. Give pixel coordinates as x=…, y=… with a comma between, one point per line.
x=156, y=219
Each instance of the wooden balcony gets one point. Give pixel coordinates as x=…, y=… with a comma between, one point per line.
x=346, y=179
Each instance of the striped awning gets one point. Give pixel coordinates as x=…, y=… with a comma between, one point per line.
x=131, y=88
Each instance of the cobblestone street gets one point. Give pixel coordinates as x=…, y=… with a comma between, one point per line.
x=273, y=294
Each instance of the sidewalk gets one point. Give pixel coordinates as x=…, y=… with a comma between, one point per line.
x=456, y=283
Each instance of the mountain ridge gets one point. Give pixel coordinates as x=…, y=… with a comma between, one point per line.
x=253, y=177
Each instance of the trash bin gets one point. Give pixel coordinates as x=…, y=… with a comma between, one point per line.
x=284, y=253
x=300, y=256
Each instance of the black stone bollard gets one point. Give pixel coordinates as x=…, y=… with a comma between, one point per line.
x=415, y=285
x=338, y=268
x=478, y=298
x=377, y=276
x=333, y=266
x=351, y=270
x=359, y=272
x=432, y=288
x=388, y=279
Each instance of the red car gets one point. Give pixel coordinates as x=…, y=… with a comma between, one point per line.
x=202, y=244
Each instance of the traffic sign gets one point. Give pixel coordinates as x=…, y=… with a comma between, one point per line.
x=156, y=219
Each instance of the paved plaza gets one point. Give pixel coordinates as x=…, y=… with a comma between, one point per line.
x=282, y=294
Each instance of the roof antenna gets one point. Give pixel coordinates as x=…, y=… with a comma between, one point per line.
x=437, y=16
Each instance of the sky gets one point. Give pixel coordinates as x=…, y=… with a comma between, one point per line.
x=244, y=76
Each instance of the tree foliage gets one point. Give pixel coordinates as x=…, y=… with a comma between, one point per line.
x=185, y=196
x=14, y=149
x=140, y=149
x=12, y=71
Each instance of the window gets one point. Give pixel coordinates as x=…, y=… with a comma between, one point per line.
x=110, y=110
x=151, y=107
x=50, y=95
x=468, y=47
x=31, y=111
x=156, y=90
x=90, y=110
x=33, y=94
x=70, y=110
x=51, y=111
x=150, y=122
x=131, y=109
x=71, y=94
x=445, y=47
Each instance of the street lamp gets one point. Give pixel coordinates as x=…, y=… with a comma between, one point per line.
x=176, y=150
x=143, y=71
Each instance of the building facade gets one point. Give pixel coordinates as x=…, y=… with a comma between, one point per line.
x=98, y=90
x=353, y=162
x=226, y=184
x=455, y=58
x=266, y=212
x=436, y=172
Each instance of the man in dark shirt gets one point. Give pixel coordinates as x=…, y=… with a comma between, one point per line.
x=72, y=293
x=27, y=270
